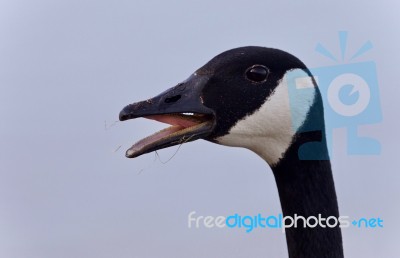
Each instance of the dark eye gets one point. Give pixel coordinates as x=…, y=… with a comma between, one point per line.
x=257, y=73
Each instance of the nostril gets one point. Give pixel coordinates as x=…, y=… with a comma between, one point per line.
x=172, y=99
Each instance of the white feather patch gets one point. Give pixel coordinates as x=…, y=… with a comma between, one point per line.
x=269, y=130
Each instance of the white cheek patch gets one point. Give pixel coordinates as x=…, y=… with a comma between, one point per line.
x=269, y=130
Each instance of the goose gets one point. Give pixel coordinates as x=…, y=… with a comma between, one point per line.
x=241, y=98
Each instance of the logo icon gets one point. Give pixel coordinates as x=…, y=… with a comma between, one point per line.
x=350, y=97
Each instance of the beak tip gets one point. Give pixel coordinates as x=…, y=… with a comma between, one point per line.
x=123, y=115
x=129, y=153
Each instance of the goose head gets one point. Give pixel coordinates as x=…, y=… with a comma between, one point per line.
x=239, y=98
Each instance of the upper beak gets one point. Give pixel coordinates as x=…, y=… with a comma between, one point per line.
x=182, y=107
x=185, y=97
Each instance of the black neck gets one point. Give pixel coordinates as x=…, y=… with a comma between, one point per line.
x=306, y=188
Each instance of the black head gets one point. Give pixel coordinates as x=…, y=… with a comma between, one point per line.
x=241, y=80
x=233, y=100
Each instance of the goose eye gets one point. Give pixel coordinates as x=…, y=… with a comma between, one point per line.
x=257, y=73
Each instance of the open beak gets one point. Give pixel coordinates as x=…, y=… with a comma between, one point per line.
x=181, y=107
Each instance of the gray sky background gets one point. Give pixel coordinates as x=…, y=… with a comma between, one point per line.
x=68, y=67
